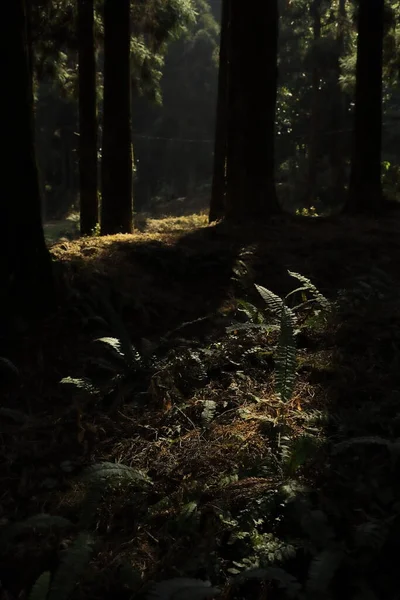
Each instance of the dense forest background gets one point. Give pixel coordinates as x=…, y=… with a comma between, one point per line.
x=173, y=109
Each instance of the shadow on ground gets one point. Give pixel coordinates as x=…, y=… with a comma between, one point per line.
x=347, y=380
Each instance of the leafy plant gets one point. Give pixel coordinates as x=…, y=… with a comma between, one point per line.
x=73, y=562
x=101, y=477
x=285, y=374
x=40, y=523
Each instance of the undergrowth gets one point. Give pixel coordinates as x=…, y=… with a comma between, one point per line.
x=215, y=461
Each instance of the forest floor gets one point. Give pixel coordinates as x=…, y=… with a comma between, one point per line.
x=222, y=459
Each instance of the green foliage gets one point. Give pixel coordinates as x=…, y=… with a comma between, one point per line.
x=322, y=569
x=296, y=452
x=310, y=287
x=119, y=372
x=40, y=523
x=209, y=410
x=40, y=588
x=103, y=477
x=285, y=374
x=73, y=562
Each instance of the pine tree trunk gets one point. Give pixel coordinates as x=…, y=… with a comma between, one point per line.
x=116, y=166
x=26, y=273
x=338, y=122
x=315, y=121
x=252, y=90
x=89, y=209
x=365, y=190
x=218, y=192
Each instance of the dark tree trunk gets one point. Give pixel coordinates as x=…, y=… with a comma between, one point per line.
x=252, y=89
x=89, y=209
x=315, y=121
x=337, y=146
x=116, y=166
x=218, y=192
x=26, y=273
x=365, y=190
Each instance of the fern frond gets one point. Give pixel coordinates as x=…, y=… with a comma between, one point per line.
x=90, y=504
x=284, y=579
x=251, y=326
x=15, y=415
x=113, y=343
x=285, y=375
x=102, y=475
x=251, y=311
x=360, y=441
x=297, y=452
x=73, y=563
x=40, y=588
x=315, y=525
x=322, y=570
x=275, y=304
x=40, y=523
x=109, y=472
x=82, y=384
x=8, y=365
x=209, y=410
x=182, y=588
x=371, y=535
x=121, y=332
x=320, y=298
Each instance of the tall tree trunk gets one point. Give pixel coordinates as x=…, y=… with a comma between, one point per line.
x=89, y=209
x=365, y=190
x=315, y=121
x=26, y=273
x=218, y=192
x=339, y=111
x=252, y=90
x=116, y=166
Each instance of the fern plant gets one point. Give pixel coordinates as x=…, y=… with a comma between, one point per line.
x=285, y=374
x=104, y=476
x=117, y=373
x=40, y=523
x=62, y=583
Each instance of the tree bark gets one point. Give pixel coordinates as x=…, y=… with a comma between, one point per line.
x=252, y=91
x=315, y=120
x=337, y=147
x=365, y=189
x=26, y=273
x=218, y=191
x=89, y=209
x=116, y=166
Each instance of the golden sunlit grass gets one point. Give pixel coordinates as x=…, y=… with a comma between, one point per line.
x=68, y=228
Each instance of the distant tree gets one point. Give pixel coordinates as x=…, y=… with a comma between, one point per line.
x=365, y=189
x=89, y=210
x=252, y=93
x=337, y=145
x=218, y=190
x=315, y=120
x=116, y=164
x=26, y=273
